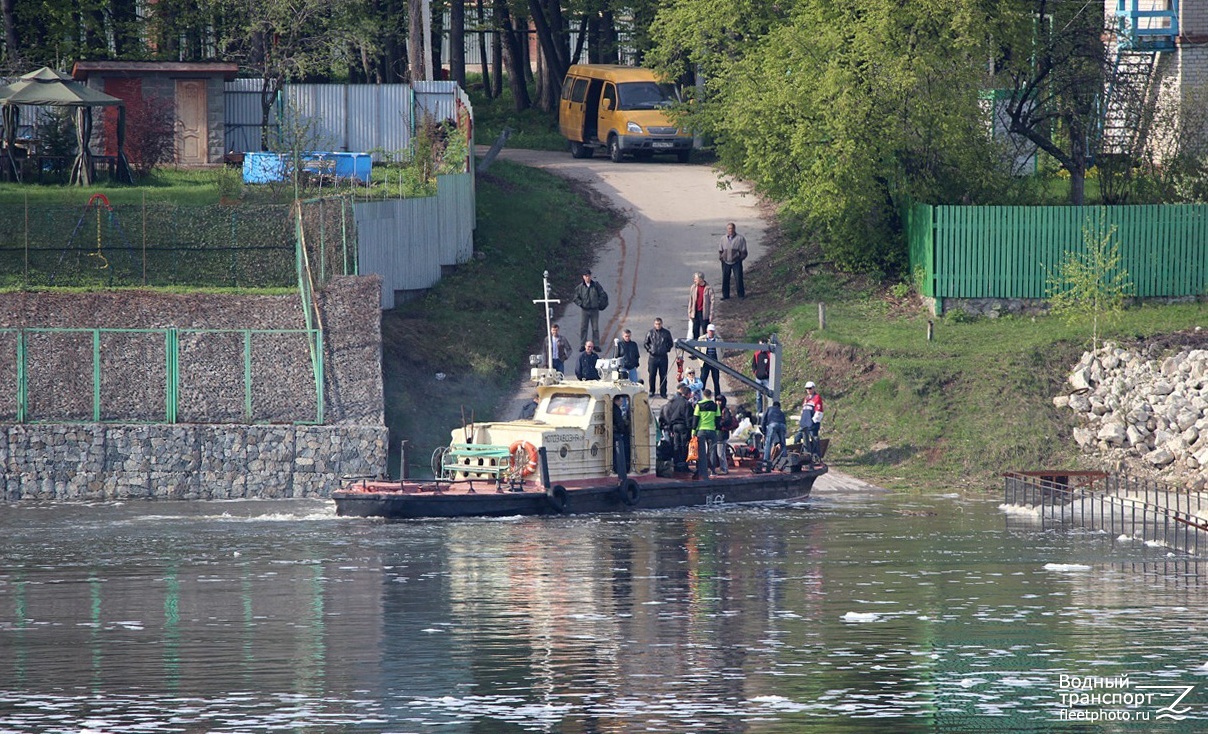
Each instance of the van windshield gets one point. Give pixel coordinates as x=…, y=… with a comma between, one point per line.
x=645, y=95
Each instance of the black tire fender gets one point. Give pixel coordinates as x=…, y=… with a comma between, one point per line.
x=557, y=496
x=630, y=492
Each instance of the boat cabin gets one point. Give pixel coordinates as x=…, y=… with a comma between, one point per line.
x=574, y=425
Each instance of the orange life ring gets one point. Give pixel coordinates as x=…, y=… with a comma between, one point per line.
x=529, y=466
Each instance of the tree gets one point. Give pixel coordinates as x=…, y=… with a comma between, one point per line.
x=281, y=40
x=1054, y=62
x=842, y=112
x=1090, y=283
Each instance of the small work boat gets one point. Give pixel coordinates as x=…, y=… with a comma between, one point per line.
x=591, y=446
x=564, y=461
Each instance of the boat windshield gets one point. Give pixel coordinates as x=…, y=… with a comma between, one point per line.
x=568, y=404
x=645, y=95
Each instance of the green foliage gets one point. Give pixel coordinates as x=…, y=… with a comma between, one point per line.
x=900, y=290
x=1090, y=283
x=531, y=129
x=843, y=111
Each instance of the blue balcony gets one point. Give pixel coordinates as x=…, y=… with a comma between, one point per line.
x=1146, y=30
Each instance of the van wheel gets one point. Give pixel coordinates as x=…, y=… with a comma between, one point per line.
x=579, y=150
x=614, y=149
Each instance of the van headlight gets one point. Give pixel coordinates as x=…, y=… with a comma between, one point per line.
x=633, y=127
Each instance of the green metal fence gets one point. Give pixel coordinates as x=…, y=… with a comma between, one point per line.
x=1008, y=251
x=161, y=375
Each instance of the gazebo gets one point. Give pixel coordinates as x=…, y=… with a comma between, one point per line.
x=47, y=87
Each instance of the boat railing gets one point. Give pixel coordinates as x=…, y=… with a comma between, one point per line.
x=1145, y=509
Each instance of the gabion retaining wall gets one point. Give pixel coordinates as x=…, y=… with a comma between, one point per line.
x=207, y=455
x=93, y=461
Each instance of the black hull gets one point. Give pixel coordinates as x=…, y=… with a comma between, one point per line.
x=653, y=493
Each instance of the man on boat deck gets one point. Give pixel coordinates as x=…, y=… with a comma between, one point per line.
x=773, y=431
x=627, y=350
x=620, y=437
x=693, y=384
x=675, y=419
x=705, y=418
x=560, y=349
x=586, y=369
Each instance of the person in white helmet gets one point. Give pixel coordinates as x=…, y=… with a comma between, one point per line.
x=811, y=418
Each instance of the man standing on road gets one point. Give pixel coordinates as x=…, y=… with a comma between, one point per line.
x=658, y=345
x=591, y=298
x=700, y=304
x=732, y=251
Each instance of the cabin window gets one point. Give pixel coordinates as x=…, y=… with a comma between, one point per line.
x=568, y=404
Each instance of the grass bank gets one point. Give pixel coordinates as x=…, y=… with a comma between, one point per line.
x=459, y=351
x=905, y=412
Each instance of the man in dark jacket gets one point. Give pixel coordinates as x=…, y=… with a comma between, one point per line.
x=586, y=369
x=774, y=427
x=591, y=298
x=658, y=345
x=627, y=350
x=675, y=420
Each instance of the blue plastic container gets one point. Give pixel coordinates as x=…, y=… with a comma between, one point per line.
x=261, y=168
x=269, y=167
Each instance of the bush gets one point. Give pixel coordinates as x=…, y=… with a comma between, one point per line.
x=150, y=133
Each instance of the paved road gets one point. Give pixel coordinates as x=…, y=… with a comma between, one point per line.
x=676, y=215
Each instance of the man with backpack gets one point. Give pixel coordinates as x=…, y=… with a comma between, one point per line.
x=591, y=298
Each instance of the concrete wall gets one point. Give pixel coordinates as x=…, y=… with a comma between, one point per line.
x=209, y=454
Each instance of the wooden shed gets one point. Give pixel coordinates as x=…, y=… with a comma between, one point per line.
x=195, y=90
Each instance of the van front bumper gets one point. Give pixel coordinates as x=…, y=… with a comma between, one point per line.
x=654, y=143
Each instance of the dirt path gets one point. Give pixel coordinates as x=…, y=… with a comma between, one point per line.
x=676, y=214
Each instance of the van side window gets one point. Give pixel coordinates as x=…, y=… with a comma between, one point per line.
x=567, y=85
x=610, y=93
x=580, y=91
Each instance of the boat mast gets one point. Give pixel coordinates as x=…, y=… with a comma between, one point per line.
x=549, y=312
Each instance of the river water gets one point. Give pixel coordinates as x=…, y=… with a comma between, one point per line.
x=840, y=614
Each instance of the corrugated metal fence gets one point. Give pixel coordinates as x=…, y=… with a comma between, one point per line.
x=1004, y=251
x=347, y=117
x=408, y=241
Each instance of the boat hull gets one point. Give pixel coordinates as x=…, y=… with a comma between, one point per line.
x=395, y=500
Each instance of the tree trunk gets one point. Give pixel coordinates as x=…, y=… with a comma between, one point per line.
x=415, y=40
x=12, y=52
x=484, y=60
x=457, y=42
x=513, y=53
x=547, y=19
x=436, y=35
x=497, y=62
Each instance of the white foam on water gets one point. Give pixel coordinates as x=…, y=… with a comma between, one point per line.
x=861, y=617
x=1066, y=567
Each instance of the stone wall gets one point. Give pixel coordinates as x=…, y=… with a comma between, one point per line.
x=97, y=461
x=59, y=453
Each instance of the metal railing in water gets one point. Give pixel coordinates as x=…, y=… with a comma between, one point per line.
x=1145, y=509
